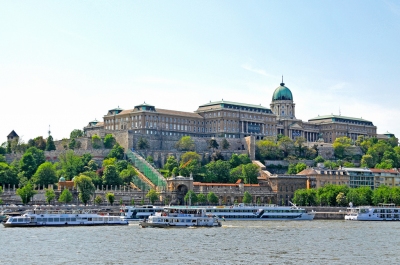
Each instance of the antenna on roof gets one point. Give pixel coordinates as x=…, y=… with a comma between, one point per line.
x=340, y=113
x=282, y=84
x=49, y=131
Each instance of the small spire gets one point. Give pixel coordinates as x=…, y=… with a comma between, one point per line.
x=49, y=131
x=340, y=113
x=282, y=84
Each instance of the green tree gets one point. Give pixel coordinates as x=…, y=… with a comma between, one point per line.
x=235, y=161
x=212, y=144
x=170, y=165
x=185, y=144
x=127, y=175
x=71, y=164
x=92, y=165
x=218, y=171
x=150, y=159
x=244, y=159
x=1, y=192
x=341, y=199
x=225, y=144
x=109, y=162
x=39, y=143
x=116, y=152
x=85, y=187
x=286, y=145
x=153, y=195
x=292, y=169
x=319, y=159
x=305, y=197
x=46, y=174
x=385, y=164
x=50, y=146
x=212, y=198
x=110, y=197
x=300, y=167
x=250, y=173
x=299, y=145
x=190, y=198
x=360, y=196
x=367, y=161
x=76, y=133
x=330, y=164
x=98, y=200
x=348, y=164
x=50, y=195
x=121, y=165
x=381, y=195
x=65, y=196
x=267, y=150
x=26, y=193
x=142, y=144
x=111, y=176
x=340, y=146
x=8, y=174
x=27, y=165
x=72, y=144
x=133, y=201
x=109, y=141
x=247, y=198
x=201, y=198
x=236, y=174
x=96, y=141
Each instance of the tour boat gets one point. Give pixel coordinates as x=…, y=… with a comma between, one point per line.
x=237, y=212
x=242, y=212
x=138, y=213
x=383, y=212
x=181, y=217
x=63, y=218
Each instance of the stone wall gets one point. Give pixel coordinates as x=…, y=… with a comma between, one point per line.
x=285, y=163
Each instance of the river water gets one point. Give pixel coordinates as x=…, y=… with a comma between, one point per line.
x=237, y=242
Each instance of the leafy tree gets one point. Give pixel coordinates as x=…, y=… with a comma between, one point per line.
x=341, y=199
x=116, y=152
x=111, y=176
x=85, y=187
x=46, y=174
x=109, y=141
x=76, y=133
x=50, y=195
x=1, y=192
x=96, y=179
x=71, y=164
x=235, y=161
x=170, y=165
x=212, y=144
x=218, y=171
x=72, y=144
x=39, y=143
x=152, y=195
x=150, y=159
x=50, y=146
x=26, y=193
x=247, y=198
x=299, y=144
x=3, y=150
x=121, y=165
x=385, y=164
x=395, y=195
x=381, y=195
x=98, y=200
x=250, y=173
x=142, y=144
x=300, y=167
x=185, y=144
x=110, y=197
x=305, y=197
x=190, y=197
x=212, y=198
x=319, y=159
x=201, y=198
x=292, y=169
x=65, y=196
x=96, y=141
x=367, y=161
x=360, y=196
x=133, y=201
x=217, y=156
x=225, y=144
x=127, y=175
x=330, y=164
x=286, y=146
x=235, y=174
x=348, y=164
x=109, y=162
x=190, y=167
x=245, y=159
x=28, y=165
x=8, y=174
x=92, y=165
x=340, y=146
x=267, y=149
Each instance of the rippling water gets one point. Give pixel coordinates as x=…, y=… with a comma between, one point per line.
x=237, y=242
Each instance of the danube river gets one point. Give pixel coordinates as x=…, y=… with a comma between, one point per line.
x=241, y=242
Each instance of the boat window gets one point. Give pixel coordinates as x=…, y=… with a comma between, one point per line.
x=56, y=219
x=50, y=220
x=73, y=219
x=19, y=220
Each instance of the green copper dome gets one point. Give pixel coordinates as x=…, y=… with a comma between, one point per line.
x=282, y=93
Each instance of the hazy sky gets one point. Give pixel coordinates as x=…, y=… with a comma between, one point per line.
x=65, y=63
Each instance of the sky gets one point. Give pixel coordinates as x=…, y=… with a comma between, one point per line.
x=65, y=63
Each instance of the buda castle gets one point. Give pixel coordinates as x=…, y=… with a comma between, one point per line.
x=232, y=120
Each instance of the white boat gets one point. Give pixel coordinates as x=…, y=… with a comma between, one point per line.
x=237, y=212
x=63, y=218
x=382, y=212
x=181, y=217
x=138, y=213
x=269, y=212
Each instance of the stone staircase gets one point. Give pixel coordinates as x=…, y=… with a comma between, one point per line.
x=146, y=172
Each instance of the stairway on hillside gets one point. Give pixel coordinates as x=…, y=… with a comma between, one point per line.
x=147, y=173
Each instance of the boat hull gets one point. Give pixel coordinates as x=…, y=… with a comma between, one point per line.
x=58, y=225
x=159, y=225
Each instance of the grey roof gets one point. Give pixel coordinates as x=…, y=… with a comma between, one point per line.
x=233, y=103
x=337, y=117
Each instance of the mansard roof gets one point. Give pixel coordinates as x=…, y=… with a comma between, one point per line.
x=339, y=118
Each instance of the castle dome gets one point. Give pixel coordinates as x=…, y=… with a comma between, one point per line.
x=282, y=93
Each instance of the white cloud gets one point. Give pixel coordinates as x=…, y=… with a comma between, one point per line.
x=250, y=68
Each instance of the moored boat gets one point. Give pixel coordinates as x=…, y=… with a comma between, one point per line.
x=181, y=217
x=382, y=212
x=138, y=213
x=63, y=218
